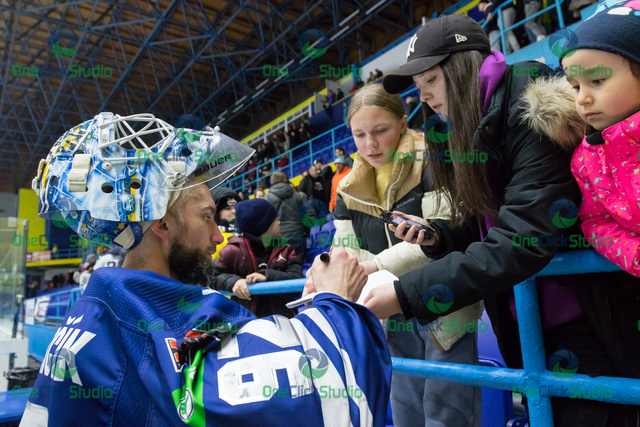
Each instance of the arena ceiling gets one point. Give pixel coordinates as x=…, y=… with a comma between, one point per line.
x=62, y=62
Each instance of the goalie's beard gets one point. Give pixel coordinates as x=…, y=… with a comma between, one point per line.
x=192, y=266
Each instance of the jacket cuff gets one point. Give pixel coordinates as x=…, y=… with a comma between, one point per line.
x=442, y=248
x=402, y=299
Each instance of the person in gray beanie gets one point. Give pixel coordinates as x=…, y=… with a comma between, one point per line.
x=257, y=254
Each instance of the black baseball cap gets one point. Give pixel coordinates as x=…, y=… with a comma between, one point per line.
x=433, y=43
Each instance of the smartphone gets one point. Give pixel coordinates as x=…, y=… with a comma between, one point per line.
x=391, y=218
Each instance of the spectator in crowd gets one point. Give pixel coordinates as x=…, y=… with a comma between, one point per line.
x=378, y=74
x=531, y=7
x=371, y=78
x=412, y=103
x=256, y=255
x=84, y=278
x=241, y=195
x=283, y=161
x=225, y=200
x=357, y=85
x=488, y=104
x=340, y=94
x=341, y=172
x=259, y=194
x=288, y=202
x=270, y=147
x=316, y=186
x=324, y=171
x=260, y=153
x=294, y=136
x=112, y=258
x=380, y=180
x=509, y=18
x=306, y=131
x=348, y=161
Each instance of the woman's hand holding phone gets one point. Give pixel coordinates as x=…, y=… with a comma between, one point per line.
x=411, y=236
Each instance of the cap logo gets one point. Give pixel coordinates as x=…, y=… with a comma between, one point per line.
x=460, y=38
x=412, y=45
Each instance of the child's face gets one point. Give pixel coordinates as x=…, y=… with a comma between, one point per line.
x=606, y=91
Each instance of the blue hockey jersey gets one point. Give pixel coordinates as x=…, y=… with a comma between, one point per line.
x=121, y=358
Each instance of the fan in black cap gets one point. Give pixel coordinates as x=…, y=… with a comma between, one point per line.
x=433, y=43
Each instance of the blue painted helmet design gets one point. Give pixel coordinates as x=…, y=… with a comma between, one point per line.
x=106, y=176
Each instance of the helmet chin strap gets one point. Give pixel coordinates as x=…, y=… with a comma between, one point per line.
x=132, y=235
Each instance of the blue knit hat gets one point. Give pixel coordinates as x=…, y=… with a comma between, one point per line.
x=255, y=216
x=614, y=28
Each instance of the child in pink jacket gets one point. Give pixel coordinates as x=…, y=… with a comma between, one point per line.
x=602, y=64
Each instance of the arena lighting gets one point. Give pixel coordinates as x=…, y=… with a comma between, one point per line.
x=262, y=84
x=282, y=76
x=288, y=63
x=238, y=108
x=338, y=33
x=223, y=113
x=375, y=6
x=344, y=21
x=241, y=100
x=257, y=93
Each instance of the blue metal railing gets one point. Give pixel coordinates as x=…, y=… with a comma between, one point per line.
x=503, y=30
x=534, y=376
x=61, y=305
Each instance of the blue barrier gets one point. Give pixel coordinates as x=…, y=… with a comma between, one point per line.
x=535, y=375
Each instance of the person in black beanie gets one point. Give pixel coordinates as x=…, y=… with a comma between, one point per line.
x=257, y=254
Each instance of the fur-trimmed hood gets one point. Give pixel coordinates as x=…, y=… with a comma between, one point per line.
x=549, y=108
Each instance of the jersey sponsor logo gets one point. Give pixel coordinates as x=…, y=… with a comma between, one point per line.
x=60, y=359
x=185, y=407
x=172, y=346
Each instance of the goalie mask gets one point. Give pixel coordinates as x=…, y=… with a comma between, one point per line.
x=109, y=177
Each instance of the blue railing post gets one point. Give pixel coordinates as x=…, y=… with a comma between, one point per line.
x=533, y=356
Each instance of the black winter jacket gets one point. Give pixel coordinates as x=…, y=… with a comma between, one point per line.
x=528, y=172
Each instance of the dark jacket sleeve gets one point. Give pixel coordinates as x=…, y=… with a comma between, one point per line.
x=225, y=279
x=540, y=175
x=306, y=187
x=293, y=271
x=341, y=211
